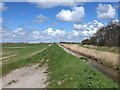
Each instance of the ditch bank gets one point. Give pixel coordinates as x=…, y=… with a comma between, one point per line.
x=110, y=72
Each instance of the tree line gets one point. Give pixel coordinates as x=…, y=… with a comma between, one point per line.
x=105, y=36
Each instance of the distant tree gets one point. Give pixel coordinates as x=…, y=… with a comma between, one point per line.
x=93, y=40
x=86, y=41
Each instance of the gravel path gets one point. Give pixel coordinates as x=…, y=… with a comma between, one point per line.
x=26, y=77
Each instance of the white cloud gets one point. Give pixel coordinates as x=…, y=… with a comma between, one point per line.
x=56, y=33
x=3, y=7
x=19, y=32
x=50, y=34
x=22, y=34
x=37, y=34
x=41, y=18
x=115, y=21
x=88, y=29
x=74, y=15
x=76, y=33
x=53, y=3
x=79, y=27
x=105, y=11
x=50, y=31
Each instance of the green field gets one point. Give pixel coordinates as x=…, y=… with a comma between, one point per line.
x=20, y=51
x=65, y=70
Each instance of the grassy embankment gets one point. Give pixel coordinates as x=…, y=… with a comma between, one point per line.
x=107, y=58
x=65, y=70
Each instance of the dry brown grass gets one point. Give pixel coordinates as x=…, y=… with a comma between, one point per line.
x=103, y=48
x=108, y=58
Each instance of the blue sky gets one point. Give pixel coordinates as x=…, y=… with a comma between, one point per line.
x=54, y=22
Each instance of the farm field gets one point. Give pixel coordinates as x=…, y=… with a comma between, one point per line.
x=14, y=52
x=64, y=70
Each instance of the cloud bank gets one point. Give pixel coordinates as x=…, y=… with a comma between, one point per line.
x=78, y=33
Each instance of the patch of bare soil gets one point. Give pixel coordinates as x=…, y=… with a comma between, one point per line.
x=26, y=77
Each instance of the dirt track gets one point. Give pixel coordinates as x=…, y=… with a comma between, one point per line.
x=8, y=56
x=26, y=77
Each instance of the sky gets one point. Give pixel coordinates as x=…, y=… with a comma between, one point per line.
x=54, y=21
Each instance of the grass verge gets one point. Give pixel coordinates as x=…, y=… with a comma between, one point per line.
x=67, y=71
